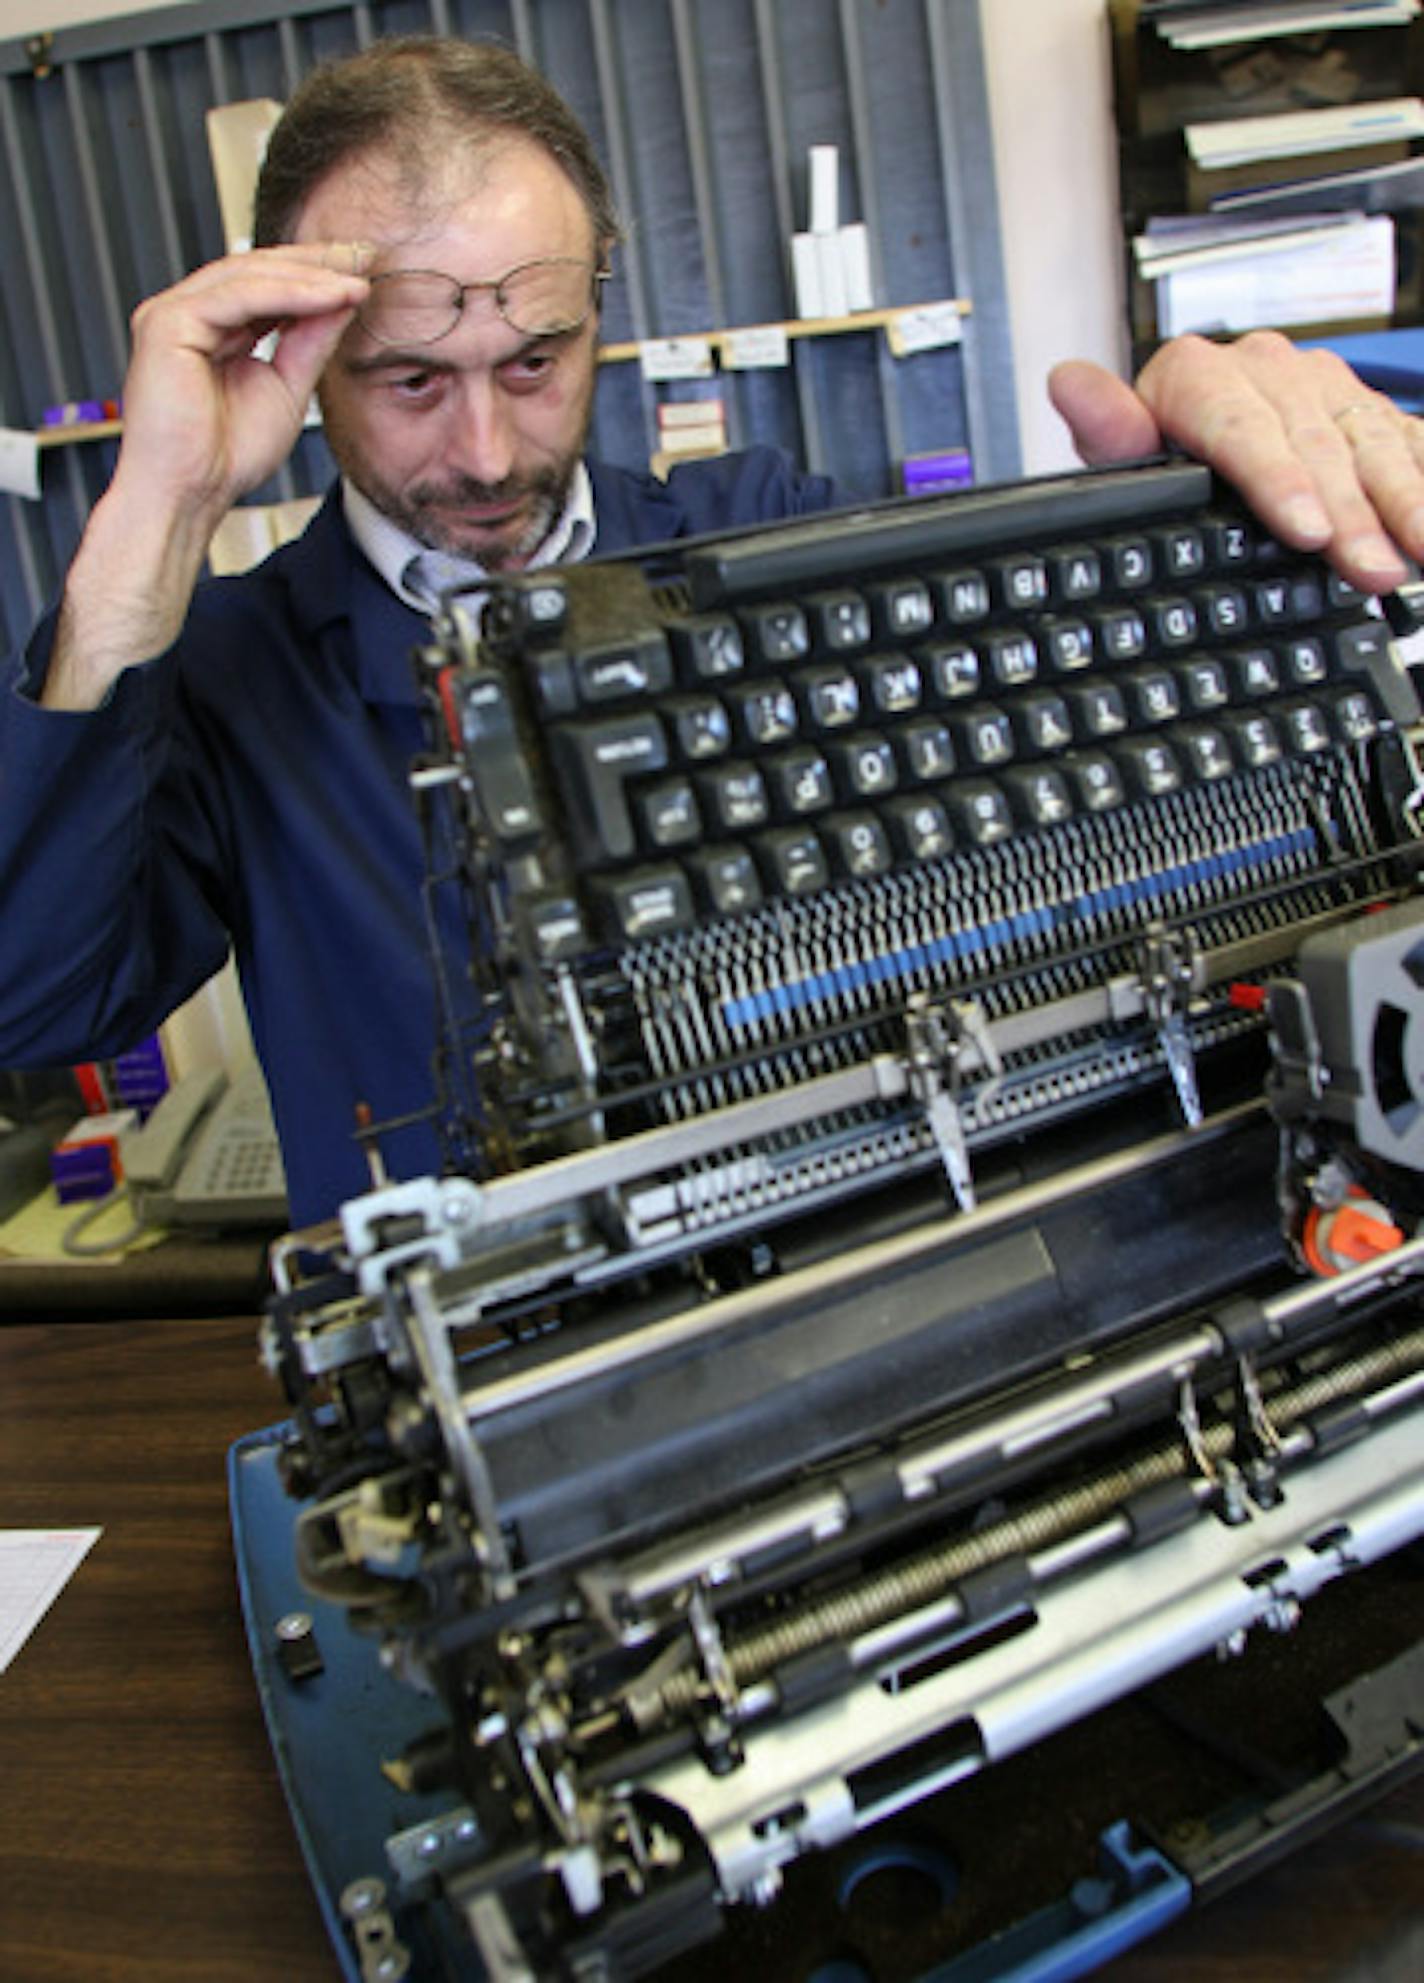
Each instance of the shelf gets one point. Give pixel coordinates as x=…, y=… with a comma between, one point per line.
x=615, y=354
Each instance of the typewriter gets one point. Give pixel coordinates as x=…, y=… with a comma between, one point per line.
x=929, y=1245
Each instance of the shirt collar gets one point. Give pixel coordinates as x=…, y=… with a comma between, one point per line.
x=418, y=575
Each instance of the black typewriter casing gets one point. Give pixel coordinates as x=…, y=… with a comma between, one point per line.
x=938, y=976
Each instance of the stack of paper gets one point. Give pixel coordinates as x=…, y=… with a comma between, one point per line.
x=1341, y=271
x=1297, y=133
x=1188, y=27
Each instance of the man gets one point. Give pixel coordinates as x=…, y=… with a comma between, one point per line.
x=185, y=765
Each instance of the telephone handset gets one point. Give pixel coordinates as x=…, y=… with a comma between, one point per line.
x=208, y=1154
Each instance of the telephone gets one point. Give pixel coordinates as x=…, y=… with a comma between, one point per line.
x=208, y=1154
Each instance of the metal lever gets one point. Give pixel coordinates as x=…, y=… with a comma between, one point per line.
x=1171, y=972
x=944, y=1042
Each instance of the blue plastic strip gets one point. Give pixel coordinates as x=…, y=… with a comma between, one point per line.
x=1135, y=1893
x=795, y=994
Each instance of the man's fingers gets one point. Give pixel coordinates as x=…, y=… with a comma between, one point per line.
x=1106, y=418
x=1323, y=461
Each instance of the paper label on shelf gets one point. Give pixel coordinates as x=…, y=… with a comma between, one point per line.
x=676, y=358
x=757, y=346
x=923, y=329
x=19, y=464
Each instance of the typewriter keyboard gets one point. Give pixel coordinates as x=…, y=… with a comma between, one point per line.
x=787, y=711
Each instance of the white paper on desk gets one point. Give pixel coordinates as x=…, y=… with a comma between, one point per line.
x=1347, y=276
x=35, y=1565
x=19, y=463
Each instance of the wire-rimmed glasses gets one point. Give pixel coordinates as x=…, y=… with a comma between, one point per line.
x=548, y=297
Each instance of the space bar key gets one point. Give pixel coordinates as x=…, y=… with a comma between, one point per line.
x=595, y=760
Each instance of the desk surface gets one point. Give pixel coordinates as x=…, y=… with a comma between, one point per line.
x=142, y=1830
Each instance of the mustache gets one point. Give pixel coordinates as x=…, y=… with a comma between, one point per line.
x=466, y=489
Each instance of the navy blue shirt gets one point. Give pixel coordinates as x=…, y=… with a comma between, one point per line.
x=249, y=789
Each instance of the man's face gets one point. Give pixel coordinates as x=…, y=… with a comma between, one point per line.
x=468, y=442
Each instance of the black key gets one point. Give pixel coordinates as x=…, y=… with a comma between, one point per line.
x=901, y=608
x=533, y=608
x=800, y=782
x=1179, y=550
x=1010, y=658
x=1021, y=581
x=1255, y=671
x=648, y=902
x=859, y=844
x=1042, y=722
x=702, y=727
x=926, y=750
x=891, y=684
x=961, y=597
x=954, y=668
x=1356, y=719
x=1152, y=695
x=864, y=765
x=503, y=785
x=794, y=861
x=1099, y=709
x=1171, y=621
x=669, y=815
x=776, y=632
x=1120, y=632
x=980, y=811
x=1094, y=780
x=830, y=696
x=708, y=647
x=1223, y=609
x=617, y=670
x=1229, y=541
x=1306, y=727
x=984, y=736
x=919, y=828
x=597, y=758
x=734, y=797
x=551, y=925
x=1204, y=683
x=1206, y=750
x=726, y=878
x=1129, y=562
x=552, y=677
x=763, y=713
x=1254, y=738
x=1148, y=765
x=840, y=621
x=1306, y=663
x=1066, y=644
x=1039, y=794
x=1077, y=573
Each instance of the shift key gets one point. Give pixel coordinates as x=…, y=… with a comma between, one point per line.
x=595, y=761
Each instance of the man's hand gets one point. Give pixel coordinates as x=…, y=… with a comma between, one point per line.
x=1326, y=463
x=205, y=421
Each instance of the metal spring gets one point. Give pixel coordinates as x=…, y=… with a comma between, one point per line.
x=934, y=1571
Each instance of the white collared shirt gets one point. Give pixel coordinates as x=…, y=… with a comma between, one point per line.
x=419, y=575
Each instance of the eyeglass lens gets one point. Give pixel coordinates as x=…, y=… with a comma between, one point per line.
x=420, y=306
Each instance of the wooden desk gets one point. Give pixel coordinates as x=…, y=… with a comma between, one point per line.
x=142, y=1830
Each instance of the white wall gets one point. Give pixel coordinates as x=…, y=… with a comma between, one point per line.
x=19, y=17
x=1055, y=155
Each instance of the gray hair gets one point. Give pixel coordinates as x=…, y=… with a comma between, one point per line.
x=393, y=97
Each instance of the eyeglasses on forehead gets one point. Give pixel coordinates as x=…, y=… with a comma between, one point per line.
x=544, y=298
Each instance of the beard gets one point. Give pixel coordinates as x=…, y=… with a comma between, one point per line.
x=430, y=512
x=435, y=511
